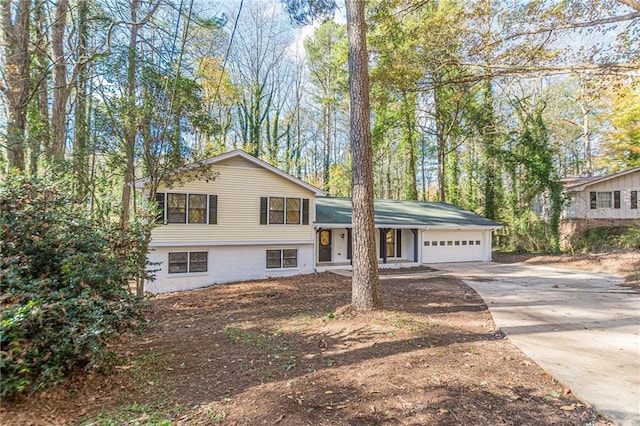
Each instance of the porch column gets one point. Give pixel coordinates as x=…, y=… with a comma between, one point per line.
x=415, y=244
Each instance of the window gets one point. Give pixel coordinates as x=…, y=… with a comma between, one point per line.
x=183, y=262
x=197, y=208
x=441, y=243
x=282, y=258
x=391, y=243
x=276, y=210
x=470, y=243
x=176, y=208
x=178, y=262
x=161, y=207
x=477, y=242
x=457, y=243
x=604, y=200
x=187, y=208
x=634, y=200
x=464, y=242
x=434, y=243
x=449, y=243
x=426, y=243
x=293, y=211
x=282, y=210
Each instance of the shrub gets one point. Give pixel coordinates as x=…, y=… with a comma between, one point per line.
x=64, y=284
x=605, y=238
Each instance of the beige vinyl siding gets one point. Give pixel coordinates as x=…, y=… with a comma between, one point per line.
x=239, y=187
x=625, y=184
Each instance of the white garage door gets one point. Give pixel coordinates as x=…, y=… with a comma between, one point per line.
x=453, y=246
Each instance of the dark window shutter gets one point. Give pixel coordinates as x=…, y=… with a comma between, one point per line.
x=349, y=244
x=305, y=211
x=263, y=210
x=213, y=209
x=616, y=199
x=383, y=243
x=398, y=243
x=161, y=206
x=634, y=199
x=592, y=195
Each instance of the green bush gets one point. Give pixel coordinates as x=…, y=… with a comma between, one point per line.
x=605, y=238
x=64, y=284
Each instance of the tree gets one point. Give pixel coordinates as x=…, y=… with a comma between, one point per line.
x=365, y=286
x=16, y=30
x=366, y=294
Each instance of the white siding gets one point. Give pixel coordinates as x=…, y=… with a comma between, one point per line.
x=625, y=184
x=239, y=187
x=225, y=264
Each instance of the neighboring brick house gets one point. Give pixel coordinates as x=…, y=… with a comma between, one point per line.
x=600, y=201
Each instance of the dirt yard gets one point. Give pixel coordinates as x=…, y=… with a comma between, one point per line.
x=290, y=352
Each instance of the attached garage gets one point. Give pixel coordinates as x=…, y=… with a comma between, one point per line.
x=409, y=232
x=455, y=246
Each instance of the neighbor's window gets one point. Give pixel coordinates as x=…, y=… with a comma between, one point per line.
x=197, y=208
x=603, y=200
x=276, y=210
x=176, y=208
x=282, y=258
x=183, y=262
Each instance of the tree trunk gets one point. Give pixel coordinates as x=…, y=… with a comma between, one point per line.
x=131, y=117
x=81, y=135
x=41, y=139
x=16, y=32
x=365, y=291
x=60, y=89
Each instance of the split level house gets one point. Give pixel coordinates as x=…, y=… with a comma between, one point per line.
x=250, y=220
x=592, y=202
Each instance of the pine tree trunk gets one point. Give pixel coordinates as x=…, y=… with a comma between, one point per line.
x=366, y=294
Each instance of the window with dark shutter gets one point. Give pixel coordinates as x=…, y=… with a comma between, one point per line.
x=593, y=199
x=305, y=211
x=634, y=200
x=399, y=243
x=263, y=210
x=616, y=199
x=161, y=207
x=213, y=209
x=177, y=208
x=197, y=208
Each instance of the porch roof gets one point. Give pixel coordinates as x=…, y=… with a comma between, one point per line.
x=392, y=213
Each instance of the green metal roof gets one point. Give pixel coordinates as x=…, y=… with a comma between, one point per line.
x=337, y=211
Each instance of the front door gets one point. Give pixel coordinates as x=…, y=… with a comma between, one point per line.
x=324, y=254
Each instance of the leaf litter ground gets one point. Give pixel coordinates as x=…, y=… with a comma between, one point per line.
x=291, y=352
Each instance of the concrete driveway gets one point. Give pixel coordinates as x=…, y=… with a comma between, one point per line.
x=580, y=327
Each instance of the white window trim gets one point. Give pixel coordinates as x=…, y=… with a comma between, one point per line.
x=189, y=273
x=300, y=200
x=165, y=211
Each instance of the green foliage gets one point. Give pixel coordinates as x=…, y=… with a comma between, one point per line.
x=606, y=238
x=65, y=288
x=527, y=234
